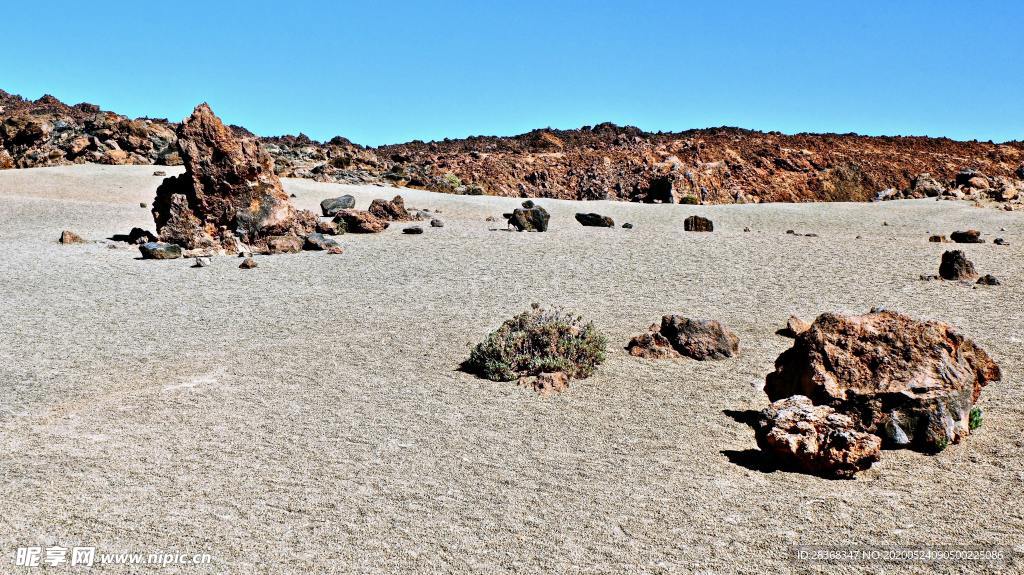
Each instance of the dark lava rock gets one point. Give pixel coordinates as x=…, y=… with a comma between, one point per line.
x=412, y=230
x=247, y=264
x=678, y=335
x=956, y=266
x=595, y=220
x=436, y=223
x=627, y=226
x=529, y=218
x=318, y=241
x=136, y=236
x=331, y=206
x=989, y=280
x=698, y=224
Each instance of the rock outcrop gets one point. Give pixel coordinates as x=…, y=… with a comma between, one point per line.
x=681, y=336
x=912, y=383
x=229, y=189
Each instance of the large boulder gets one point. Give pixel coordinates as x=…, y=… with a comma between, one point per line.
x=815, y=439
x=682, y=336
x=595, y=220
x=320, y=242
x=955, y=266
x=529, y=218
x=913, y=383
x=228, y=189
x=331, y=206
x=698, y=224
x=360, y=222
x=392, y=211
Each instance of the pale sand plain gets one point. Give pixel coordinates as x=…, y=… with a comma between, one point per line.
x=307, y=416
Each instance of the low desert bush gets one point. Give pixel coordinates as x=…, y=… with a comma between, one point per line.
x=691, y=200
x=538, y=341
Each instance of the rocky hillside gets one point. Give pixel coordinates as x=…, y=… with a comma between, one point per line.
x=719, y=165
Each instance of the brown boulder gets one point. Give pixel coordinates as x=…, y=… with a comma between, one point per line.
x=392, y=211
x=698, y=339
x=967, y=237
x=815, y=439
x=360, y=222
x=284, y=244
x=698, y=224
x=546, y=383
x=956, y=266
x=229, y=183
x=911, y=382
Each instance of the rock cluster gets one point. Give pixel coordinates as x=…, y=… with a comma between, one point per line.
x=911, y=383
x=681, y=336
x=390, y=210
x=968, y=184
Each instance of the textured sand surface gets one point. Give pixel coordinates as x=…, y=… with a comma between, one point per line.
x=307, y=416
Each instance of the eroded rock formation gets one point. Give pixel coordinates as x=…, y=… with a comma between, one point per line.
x=229, y=190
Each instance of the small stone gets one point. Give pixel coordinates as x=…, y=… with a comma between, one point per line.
x=69, y=237
x=412, y=230
x=1000, y=242
x=746, y=229
x=547, y=383
x=247, y=264
x=201, y=262
x=989, y=280
x=937, y=239
x=143, y=205
x=335, y=250
x=627, y=226
x=436, y=223
x=160, y=173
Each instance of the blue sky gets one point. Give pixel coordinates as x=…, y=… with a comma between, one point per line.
x=387, y=72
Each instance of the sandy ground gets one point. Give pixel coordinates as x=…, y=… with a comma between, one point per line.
x=307, y=416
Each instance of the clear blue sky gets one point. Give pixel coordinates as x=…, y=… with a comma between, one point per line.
x=387, y=72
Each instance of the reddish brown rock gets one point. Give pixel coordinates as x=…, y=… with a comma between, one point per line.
x=391, y=211
x=247, y=264
x=698, y=339
x=967, y=237
x=546, y=383
x=69, y=237
x=229, y=183
x=911, y=382
x=360, y=222
x=815, y=439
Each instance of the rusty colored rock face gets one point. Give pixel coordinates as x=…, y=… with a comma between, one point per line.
x=815, y=439
x=229, y=184
x=911, y=382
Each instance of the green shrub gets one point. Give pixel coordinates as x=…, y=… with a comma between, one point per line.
x=691, y=200
x=538, y=341
x=451, y=180
x=974, y=419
